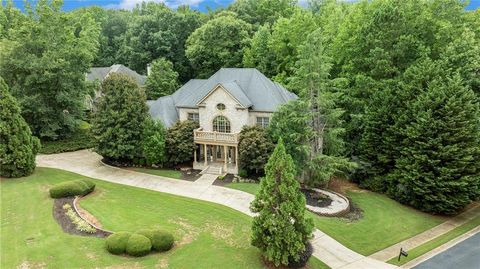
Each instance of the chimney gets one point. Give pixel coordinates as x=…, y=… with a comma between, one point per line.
x=149, y=69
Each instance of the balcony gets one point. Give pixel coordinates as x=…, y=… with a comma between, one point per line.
x=201, y=136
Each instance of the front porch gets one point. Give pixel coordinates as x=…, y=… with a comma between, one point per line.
x=219, y=159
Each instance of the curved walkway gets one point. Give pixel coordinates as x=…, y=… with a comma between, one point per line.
x=88, y=163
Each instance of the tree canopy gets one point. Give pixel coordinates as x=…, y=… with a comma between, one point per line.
x=218, y=43
x=163, y=79
x=46, y=65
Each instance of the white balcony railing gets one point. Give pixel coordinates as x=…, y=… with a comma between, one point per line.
x=204, y=136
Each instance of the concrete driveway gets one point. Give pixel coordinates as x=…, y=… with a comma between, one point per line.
x=464, y=255
x=88, y=163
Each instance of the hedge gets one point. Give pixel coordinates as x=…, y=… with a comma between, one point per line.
x=72, y=188
x=161, y=240
x=146, y=232
x=138, y=245
x=117, y=242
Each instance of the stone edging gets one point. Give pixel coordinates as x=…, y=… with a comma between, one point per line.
x=87, y=221
x=333, y=214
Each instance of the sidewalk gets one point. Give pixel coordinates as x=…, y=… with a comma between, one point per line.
x=392, y=251
x=88, y=163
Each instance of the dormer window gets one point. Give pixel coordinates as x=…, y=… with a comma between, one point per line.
x=220, y=106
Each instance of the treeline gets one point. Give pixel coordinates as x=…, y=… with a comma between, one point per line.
x=392, y=86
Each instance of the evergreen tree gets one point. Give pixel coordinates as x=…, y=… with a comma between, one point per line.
x=438, y=169
x=121, y=112
x=162, y=81
x=18, y=147
x=280, y=230
x=311, y=79
x=254, y=148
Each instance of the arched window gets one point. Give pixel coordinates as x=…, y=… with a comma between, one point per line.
x=221, y=124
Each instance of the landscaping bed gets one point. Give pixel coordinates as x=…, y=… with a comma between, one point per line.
x=67, y=224
x=317, y=199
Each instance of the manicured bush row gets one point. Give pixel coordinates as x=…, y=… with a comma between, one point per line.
x=117, y=242
x=72, y=188
x=139, y=243
x=161, y=240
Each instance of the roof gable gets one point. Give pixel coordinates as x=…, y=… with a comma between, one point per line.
x=233, y=90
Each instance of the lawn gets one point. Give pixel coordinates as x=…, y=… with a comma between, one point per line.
x=436, y=242
x=385, y=222
x=207, y=235
x=159, y=172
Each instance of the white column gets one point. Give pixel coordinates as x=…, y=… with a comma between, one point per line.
x=205, y=153
x=225, y=158
x=195, y=154
x=236, y=158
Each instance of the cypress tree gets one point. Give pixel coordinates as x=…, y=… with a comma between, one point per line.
x=18, y=147
x=438, y=169
x=119, y=119
x=280, y=230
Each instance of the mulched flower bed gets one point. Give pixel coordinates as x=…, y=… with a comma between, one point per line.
x=190, y=174
x=227, y=179
x=315, y=198
x=64, y=221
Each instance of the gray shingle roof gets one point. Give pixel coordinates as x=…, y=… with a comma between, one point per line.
x=250, y=87
x=101, y=73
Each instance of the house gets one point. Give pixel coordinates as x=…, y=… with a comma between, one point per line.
x=222, y=105
x=99, y=74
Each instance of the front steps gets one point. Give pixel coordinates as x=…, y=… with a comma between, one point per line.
x=212, y=170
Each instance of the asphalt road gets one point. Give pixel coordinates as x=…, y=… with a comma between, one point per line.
x=464, y=255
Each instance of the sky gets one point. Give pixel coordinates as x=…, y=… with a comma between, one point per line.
x=201, y=5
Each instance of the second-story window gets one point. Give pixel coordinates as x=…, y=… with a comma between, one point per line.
x=193, y=117
x=221, y=124
x=263, y=121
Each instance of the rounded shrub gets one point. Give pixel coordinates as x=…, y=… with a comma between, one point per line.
x=72, y=188
x=146, y=232
x=138, y=245
x=117, y=243
x=90, y=185
x=162, y=240
x=66, y=189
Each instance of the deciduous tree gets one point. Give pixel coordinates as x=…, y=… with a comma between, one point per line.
x=163, y=80
x=180, y=145
x=154, y=142
x=254, y=148
x=218, y=43
x=46, y=68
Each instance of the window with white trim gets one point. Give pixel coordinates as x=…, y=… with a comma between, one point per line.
x=221, y=124
x=193, y=117
x=263, y=121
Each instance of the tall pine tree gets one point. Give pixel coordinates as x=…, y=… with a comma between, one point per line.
x=18, y=147
x=319, y=92
x=438, y=169
x=280, y=230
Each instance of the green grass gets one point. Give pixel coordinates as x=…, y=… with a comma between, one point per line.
x=251, y=188
x=207, y=235
x=434, y=243
x=385, y=222
x=159, y=172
